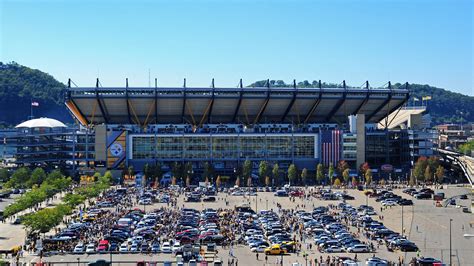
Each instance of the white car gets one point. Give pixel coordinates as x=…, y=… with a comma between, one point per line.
x=389, y=203
x=166, y=247
x=333, y=249
x=358, y=248
x=176, y=247
x=258, y=249
x=79, y=248
x=134, y=247
x=123, y=248
x=90, y=249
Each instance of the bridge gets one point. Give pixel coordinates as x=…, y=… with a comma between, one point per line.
x=466, y=163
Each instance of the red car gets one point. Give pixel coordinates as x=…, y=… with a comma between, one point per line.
x=296, y=193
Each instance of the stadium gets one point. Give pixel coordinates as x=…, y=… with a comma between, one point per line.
x=226, y=126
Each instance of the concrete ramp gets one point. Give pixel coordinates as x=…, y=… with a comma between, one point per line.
x=408, y=117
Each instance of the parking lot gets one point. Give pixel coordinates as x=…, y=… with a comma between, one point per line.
x=303, y=228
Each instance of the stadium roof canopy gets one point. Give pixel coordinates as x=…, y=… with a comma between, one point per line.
x=230, y=105
x=41, y=123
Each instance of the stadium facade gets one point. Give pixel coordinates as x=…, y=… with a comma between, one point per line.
x=226, y=126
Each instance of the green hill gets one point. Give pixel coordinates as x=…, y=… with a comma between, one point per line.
x=444, y=107
x=19, y=85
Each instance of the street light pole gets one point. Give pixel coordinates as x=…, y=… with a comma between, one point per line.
x=403, y=231
x=450, y=243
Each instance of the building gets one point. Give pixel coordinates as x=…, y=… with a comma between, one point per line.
x=50, y=144
x=226, y=126
x=450, y=136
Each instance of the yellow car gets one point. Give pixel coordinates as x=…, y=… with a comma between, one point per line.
x=274, y=250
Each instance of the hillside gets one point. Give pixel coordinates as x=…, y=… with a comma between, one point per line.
x=19, y=85
x=444, y=107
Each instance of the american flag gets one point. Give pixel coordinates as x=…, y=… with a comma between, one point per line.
x=330, y=147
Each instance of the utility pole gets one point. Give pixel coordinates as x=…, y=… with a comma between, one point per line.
x=450, y=244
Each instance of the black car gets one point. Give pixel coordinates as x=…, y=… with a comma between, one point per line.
x=405, y=202
x=408, y=247
x=209, y=199
x=427, y=261
x=422, y=196
x=347, y=197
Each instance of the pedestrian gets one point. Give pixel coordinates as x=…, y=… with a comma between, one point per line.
x=257, y=255
x=266, y=259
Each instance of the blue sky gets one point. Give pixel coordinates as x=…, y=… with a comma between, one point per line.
x=428, y=42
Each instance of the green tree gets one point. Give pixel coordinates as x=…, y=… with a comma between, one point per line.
x=37, y=177
x=247, y=169
x=331, y=173
x=319, y=173
x=346, y=175
x=420, y=167
x=292, y=173
x=305, y=176
x=276, y=172
x=148, y=173
x=4, y=175
x=218, y=182
x=19, y=178
x=337, y=182
x=440, y=174
x=249, y=181
x=263, y=170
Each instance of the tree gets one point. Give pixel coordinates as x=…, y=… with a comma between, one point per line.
x=147, y=174
x=363, y=168
x=4, y=175
x=320, y=173
x=428, y=174
x=206, y=181
x=19, y=178
x=382, y=182
x=173, y=181
x=420, y=167
x=188, y=181
x=37, y=177
x=440, y=174
x=276, y=172
x=268, y=181
x=305, y=176
x=331, y=173
x=337, y=182
x=249, y=181
x=263, y=170
x=247, y=169
x=342, y=165
x=131, y=172
x=237, y=182
x=354, y=182
x=346, y=175
x=218, y=181
x=292, y=173
x=208, y=170
x=157, y=174
x=177, y=170
x=368, y=177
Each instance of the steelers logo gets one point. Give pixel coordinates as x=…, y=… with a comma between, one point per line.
x=116, y=149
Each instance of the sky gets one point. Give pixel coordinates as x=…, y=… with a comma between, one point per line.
x=426, y=42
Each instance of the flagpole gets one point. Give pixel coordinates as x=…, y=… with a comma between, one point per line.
x=31, y=108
